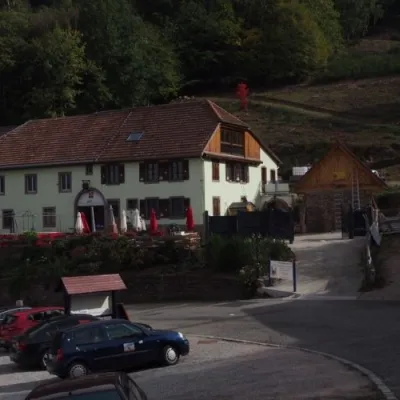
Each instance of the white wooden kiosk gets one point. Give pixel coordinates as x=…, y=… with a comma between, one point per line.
x=95, y=295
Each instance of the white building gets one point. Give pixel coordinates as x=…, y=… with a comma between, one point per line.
x=163, y=157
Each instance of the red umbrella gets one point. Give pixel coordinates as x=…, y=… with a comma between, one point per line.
x=153, y=221
x=189, y=219
x=86, y=228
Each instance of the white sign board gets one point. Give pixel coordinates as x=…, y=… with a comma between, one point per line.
x=282, y=270
x=93, y=304
x=90, y=198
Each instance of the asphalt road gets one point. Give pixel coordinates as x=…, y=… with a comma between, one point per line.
x=365, y=332
x=224, y=370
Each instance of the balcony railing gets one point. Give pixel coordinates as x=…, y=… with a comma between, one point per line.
x=276, y=188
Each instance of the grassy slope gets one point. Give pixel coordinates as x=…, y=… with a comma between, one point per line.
x=300, y=122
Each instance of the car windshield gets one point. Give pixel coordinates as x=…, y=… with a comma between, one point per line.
x=112, y=394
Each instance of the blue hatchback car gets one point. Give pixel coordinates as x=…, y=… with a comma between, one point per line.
x=113, y=345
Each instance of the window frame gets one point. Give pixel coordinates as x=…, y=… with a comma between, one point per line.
x=233, y=142
x=89, y=169
x=232, y=174
x=2, y=185
x=179, y=215
x=4, y=217
x=113, y=174
x=61, y=176
x=215, y=171
x=216, y=203
x=27, y=177
x=49, y=216
x=272, y=175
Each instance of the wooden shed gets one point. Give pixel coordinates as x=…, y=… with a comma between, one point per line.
x=331, y=186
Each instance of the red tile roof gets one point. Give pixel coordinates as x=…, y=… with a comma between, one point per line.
x=6, y=129
x=92, y=284
x=172, y=130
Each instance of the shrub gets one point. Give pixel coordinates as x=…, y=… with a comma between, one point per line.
x=358, y=65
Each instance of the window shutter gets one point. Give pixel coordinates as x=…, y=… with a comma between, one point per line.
x=246, y=174
x=164, y=208
x=103, y=175
x=163, y=171
x=186, y=203
x=142, y=209
x=186, y=170
x=142, y=171
x=156, y=207
x=122, y=173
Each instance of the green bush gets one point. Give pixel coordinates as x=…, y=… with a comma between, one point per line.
x=359, y=65
x=231, y=254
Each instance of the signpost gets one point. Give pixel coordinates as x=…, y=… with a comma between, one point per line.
x=283, y=270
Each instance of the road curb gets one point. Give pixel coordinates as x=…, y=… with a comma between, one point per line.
x=375, y=379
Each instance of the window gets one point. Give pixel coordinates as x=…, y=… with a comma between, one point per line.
x=232, y=142
x=31, y=184
x=263, y=179
x=147, y=204
x=49, y=217
x=113, y=174
x=2, y=184
x=273, y=175
x=216, y=206
x=119, y=331
x=164, y=208
x=89, y=336
x=176, y=171
x=177, y=207
x=132, y=204
x=64, y=182
x=153, y=172
x=215, y=171
x=115, y=204
x=237, y=172
x=89, y=169
x=8, y=219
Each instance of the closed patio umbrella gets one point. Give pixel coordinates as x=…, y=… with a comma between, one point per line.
x=153, y=221
x=124, y=222
x=79, y=224
x=113, y=224
x=136, y=220
x=189, y=219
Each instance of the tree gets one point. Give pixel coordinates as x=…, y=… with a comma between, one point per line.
x=55, y=72
x=139, y=66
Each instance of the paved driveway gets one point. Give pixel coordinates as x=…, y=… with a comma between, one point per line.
x=327, y=265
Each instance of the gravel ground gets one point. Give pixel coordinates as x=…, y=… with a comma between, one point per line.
x=223, y=370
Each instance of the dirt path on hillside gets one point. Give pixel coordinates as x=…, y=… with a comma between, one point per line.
x=327, y=265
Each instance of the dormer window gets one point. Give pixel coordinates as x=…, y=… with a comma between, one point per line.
x=232, y=142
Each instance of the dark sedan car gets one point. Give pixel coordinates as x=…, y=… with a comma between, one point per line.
x=109, y=386
x=113, y=345
x=31, y=348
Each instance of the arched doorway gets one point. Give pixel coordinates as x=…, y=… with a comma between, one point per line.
x=93, y=204
x=276, y=204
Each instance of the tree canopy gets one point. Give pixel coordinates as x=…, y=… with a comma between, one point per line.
x=67, y=56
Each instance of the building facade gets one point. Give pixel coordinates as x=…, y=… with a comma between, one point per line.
x=163, y=158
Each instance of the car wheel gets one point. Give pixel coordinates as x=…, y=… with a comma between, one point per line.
x=170, y=356
x=44, y=358
x=77, y=369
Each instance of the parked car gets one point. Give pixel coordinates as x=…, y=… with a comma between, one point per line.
x=110, y=386
x=4, y=311
x=17, y=323
x=31, y=348
x=112, y=345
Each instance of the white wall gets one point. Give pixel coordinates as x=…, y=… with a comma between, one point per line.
x=49, y=196
x=230, y=192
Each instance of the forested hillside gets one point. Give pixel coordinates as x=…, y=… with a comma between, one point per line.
x=60, y=57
